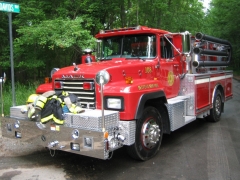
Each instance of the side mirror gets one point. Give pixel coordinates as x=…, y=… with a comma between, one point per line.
x=186, y=48
x=99, y=50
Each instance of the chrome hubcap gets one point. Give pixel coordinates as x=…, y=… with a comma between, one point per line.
x=150, y=134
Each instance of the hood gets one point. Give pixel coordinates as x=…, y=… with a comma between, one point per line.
x=117, y=68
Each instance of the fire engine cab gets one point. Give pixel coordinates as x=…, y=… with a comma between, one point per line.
x=145, y=82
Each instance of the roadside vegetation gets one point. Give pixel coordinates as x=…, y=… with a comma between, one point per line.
x=22, y=92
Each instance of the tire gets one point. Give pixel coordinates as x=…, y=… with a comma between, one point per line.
x=148, y=135
x=216, y=111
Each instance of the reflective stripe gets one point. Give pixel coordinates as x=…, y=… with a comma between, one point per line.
x=54, y=97
x=60, y=100
x=72, y=108
x=77, y=109
x=65, y=93
x=58, y=121
x=41, y=101
x=42, y=98
x=212, y=79
x=46, y=119
x=31, y=111
x=40, y=104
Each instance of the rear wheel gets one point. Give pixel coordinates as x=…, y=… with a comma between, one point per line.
x=148, y=135
x=216, y=111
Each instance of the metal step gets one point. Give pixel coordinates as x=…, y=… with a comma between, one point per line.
x=177, y=112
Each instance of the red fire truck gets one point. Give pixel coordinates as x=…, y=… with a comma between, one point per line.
x=146, y=82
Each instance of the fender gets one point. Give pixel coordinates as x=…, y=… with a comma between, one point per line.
x=143, y=99
x=157, y=98
x=219, y=86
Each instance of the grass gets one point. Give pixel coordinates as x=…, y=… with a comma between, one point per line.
x=21, y=94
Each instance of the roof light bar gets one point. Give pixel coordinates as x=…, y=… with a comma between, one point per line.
x=120, y=29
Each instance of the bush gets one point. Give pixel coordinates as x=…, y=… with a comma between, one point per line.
x=22, y=92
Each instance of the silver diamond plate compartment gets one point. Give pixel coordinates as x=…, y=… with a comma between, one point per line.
x=188, y=89
x=128, y=129
x=92, y=120
x=175, y=108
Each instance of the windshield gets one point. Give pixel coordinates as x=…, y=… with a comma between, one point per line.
x=131, y=46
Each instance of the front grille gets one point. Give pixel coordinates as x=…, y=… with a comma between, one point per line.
x=75, y=86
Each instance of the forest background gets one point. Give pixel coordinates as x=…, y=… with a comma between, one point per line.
x=53, y=33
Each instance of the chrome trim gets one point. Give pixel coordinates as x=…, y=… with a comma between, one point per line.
x=67, y=87
x=72, y=83
x=86, y=103
x=91, y=93
x=75, y=86
x=85, y=98
x=59, y=139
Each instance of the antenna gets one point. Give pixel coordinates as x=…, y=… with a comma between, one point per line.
x=137, y=12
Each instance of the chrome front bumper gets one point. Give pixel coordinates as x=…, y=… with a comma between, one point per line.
x=56, y=137
x=81, y=133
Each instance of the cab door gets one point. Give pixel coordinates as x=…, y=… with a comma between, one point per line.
x=169, y=67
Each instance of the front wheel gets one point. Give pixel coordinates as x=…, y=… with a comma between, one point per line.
x=216, y=111
x=148, y=136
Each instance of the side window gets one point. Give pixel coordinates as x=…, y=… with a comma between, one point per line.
x=166, y=48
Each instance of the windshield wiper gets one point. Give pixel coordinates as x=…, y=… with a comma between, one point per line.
x=134, y=55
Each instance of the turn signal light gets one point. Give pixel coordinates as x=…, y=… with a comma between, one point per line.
x=88, y=86
x=105, y=134
x=58, y=85
x=47, y=80
x=128, y=80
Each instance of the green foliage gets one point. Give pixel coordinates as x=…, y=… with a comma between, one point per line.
x=52, y=37
x=22, y=92
x=59, y=33
x=224, y=22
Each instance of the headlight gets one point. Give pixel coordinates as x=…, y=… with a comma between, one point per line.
x=114, y=103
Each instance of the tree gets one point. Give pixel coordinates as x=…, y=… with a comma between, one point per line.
x=60, y=39
x=224, y=22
